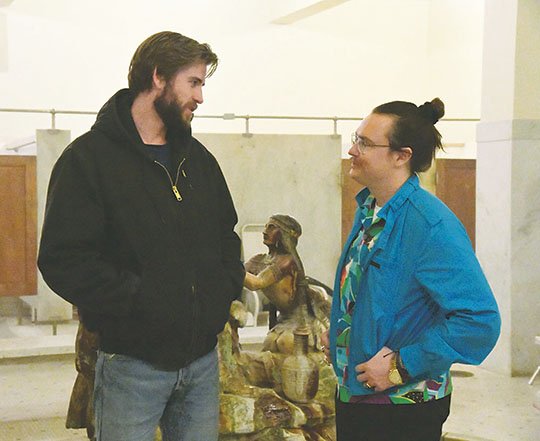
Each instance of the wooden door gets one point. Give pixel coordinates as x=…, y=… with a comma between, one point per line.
x=456, y=187
x=18, y=226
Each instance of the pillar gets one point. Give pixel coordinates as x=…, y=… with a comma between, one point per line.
x=508, y=178
x=50, y=144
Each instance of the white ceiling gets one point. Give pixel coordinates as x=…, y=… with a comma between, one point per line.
x=307, y=11
x=273, y=11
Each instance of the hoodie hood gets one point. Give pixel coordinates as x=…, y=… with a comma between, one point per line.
x=115, y=121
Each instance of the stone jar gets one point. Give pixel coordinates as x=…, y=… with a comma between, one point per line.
x=299, y=373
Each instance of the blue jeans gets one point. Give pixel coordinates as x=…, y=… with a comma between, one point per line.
x=132, y=397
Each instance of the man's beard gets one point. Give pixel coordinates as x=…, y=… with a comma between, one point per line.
x=170, y=111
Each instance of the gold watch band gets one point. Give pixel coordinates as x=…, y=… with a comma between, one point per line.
x=393, y=375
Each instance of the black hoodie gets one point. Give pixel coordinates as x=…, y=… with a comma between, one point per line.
x=153, y=274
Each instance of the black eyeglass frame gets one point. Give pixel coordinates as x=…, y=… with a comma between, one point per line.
x=362, y=146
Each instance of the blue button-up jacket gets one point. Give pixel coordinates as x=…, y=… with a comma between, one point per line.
x=422, y=291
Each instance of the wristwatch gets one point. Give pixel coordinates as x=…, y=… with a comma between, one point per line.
x=393, y=375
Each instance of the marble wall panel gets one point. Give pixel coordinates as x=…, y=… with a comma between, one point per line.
x=298, y=175
x=493, y=246
x=50, y=144
x=525, y=255
x=508, y=236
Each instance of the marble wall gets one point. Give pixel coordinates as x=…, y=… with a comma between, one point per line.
x=298, y=175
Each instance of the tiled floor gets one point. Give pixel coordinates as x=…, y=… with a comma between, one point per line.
x=34, y=395
x=34, y=398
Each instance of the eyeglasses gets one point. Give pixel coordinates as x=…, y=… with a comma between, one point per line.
x=362, y=146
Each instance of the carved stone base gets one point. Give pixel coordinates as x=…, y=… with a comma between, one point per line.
x=252, y=404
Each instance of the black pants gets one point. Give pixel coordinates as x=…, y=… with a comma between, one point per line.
x=391, y=422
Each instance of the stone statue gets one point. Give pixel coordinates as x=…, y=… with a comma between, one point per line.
x=286, y=391
x=279, y=274
x=81, y=409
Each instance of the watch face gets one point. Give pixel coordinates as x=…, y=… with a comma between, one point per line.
x=394, y=377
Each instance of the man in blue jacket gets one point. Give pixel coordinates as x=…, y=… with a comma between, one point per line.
x=410, y=297
x=138, y=234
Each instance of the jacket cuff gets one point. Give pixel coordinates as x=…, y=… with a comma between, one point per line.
x=405, y=376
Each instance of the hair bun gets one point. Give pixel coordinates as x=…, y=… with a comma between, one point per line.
x=432, y=110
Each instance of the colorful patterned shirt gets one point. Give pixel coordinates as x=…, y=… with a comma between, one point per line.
x=351, y=274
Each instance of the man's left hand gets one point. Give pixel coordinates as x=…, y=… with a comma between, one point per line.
x=374, y=372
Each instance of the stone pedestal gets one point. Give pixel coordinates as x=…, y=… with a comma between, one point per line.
x=50, y=144
x=253, y=406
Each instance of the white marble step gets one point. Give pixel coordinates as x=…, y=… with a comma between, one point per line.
x=17, y=347
x=32, y=340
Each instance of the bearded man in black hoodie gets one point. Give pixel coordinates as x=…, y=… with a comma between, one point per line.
x=138, y=234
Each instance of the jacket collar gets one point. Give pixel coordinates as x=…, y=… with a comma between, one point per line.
x=409, y=186
x=390, y=209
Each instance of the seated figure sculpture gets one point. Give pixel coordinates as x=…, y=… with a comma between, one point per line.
x=279, y=274
x=286, y=391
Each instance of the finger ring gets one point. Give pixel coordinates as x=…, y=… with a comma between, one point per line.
x=369, y=386
x=323, y=348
